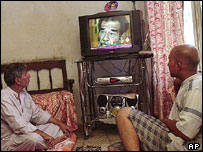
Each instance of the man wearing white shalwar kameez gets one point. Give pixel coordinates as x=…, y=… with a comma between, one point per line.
x=24, y=125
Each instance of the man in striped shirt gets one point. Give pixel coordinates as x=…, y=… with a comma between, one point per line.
x=183, y=129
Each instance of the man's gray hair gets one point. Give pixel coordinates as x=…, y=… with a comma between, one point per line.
x=13, y=71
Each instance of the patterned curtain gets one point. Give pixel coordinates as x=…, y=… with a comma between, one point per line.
x=165, y=19
x=197, y=23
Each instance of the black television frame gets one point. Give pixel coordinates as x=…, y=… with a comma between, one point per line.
x=137, y=33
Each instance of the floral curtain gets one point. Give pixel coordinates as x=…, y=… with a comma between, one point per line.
x=165, y=20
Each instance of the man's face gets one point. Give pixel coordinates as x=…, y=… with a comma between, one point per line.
x=172, y=64
x=24, y=80
x=109, y=33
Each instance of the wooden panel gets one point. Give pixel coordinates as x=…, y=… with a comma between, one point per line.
x=48, y=65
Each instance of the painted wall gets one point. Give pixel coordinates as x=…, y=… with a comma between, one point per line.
x=43, y=30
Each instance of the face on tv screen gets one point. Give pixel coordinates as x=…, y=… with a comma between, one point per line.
x=110, y=32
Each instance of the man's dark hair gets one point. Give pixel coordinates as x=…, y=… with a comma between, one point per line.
x=122, y=19
x=13, y=71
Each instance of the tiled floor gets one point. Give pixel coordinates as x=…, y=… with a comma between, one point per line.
x=103, y=135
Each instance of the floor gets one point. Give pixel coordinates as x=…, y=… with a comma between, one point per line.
x=103, y=135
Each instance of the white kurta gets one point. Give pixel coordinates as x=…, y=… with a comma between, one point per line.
x=19, y=120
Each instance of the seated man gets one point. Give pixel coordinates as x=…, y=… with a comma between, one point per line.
x=183, y=128
x=24, y=125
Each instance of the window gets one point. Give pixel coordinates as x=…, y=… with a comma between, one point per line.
x=193, y=20
x=188, y=24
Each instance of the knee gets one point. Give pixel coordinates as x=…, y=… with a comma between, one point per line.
x=123, y=113
x=34, y=138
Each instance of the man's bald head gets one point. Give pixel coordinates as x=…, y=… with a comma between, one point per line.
x=187, y=55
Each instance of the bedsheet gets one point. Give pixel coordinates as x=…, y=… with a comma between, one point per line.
x=60, y=105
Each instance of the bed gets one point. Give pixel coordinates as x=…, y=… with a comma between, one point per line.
x=51, y=89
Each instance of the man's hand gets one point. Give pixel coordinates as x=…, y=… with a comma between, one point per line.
x=48, y=139
x=63, y=126
x=65, y=129
x=171, y=124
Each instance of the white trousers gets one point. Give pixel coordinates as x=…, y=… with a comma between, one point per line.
x=30, y=141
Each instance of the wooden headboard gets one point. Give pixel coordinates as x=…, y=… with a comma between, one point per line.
x=47, y=65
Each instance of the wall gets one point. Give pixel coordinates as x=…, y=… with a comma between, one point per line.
x=42, y=30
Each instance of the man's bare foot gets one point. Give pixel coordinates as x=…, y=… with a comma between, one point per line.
x=114, y=149
x=117, y=146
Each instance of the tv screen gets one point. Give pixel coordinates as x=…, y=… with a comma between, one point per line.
x=110, y=33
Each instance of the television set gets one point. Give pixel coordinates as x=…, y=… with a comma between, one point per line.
x=111, y=33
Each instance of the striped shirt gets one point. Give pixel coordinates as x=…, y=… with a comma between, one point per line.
x=187, y=111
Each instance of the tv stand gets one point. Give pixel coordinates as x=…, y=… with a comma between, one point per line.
x=141, y=54
x=90, y=90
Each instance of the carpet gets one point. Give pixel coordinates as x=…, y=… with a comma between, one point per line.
x=92, y=148
x=117, y=146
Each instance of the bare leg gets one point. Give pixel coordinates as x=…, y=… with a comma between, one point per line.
x=127, y=131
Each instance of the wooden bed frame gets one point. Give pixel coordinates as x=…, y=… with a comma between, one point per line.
x=47, y=65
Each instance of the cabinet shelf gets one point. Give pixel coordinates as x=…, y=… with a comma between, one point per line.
x=89, y=86
x=114, y=85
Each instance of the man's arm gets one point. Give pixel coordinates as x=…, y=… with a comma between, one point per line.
x=49, y=140
x=63, y=126
x=171, y=124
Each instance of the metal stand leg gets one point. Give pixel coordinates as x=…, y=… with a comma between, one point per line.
x=83, y=96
